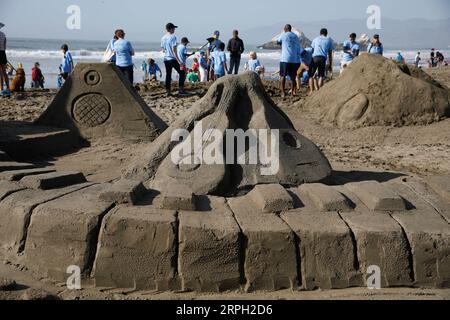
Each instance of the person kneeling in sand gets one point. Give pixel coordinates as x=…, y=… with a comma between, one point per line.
x=18, y=83
x=153, y=69
x=193, y=76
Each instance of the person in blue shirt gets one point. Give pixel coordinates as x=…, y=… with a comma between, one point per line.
x=399, y=58
x=376, y=47
x=323, y=48
x=67, y=62
x=214, y=44
x=153, y=69
x=203, y=67
x=124, y=55
x=172, y=60
x=144, y=68
x=351, y=51
x=183, y=55
x=291, y=51
x=219, y=61
x=306, y=60
x=254, y=64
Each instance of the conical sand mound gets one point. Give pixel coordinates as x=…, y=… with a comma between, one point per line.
x=235, y=102
x=377, y=91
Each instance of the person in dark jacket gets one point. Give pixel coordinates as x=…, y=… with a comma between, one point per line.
x=236, y=49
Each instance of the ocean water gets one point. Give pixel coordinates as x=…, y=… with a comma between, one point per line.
x=47, y=53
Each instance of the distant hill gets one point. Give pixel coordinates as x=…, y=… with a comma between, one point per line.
x=396, y=34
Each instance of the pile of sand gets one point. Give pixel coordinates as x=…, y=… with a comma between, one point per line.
x=377, y=91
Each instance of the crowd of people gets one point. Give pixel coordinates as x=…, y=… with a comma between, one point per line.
x=302, y=66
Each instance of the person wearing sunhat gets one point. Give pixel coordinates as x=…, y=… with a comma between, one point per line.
x=171, y=60
x=3, y=62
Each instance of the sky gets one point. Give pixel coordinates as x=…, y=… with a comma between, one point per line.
x=144, y=20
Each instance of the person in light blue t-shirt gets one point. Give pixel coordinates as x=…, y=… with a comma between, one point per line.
x=322, y=49
x=219, y=62
x=124, y=55
x=351, y=51
x=399, y=58
x=291, y=51
x=254, y=65
x=67, y=62
x=171, y=60
x=183, y=55
x=376, y=47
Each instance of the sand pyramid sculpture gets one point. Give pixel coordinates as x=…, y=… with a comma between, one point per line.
x=97, y=101
x=232, y=103
x=375, y=90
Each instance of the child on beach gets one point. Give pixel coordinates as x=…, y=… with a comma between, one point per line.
x=195, y=65
x=399, y=58
x=193, y=76
x=183, y=55
x=153, y=69
x=144, y=69
x=37, y=77
x=219, y=62
x=255, y=65
x=203, y=67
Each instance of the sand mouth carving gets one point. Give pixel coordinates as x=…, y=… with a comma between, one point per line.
x=237, y=102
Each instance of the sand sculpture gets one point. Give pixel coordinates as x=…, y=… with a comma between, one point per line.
x=284, y=233
x=377, y=91
x=233, y=103
x=97, y=101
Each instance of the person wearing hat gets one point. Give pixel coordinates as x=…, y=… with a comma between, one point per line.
x=376, y=47
x=3, y=62
x=171, y=60
x=183, y=54
x=214, y=45
x=67, y=62
x=37, y=78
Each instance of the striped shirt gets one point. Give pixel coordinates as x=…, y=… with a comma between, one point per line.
x=2, y=41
